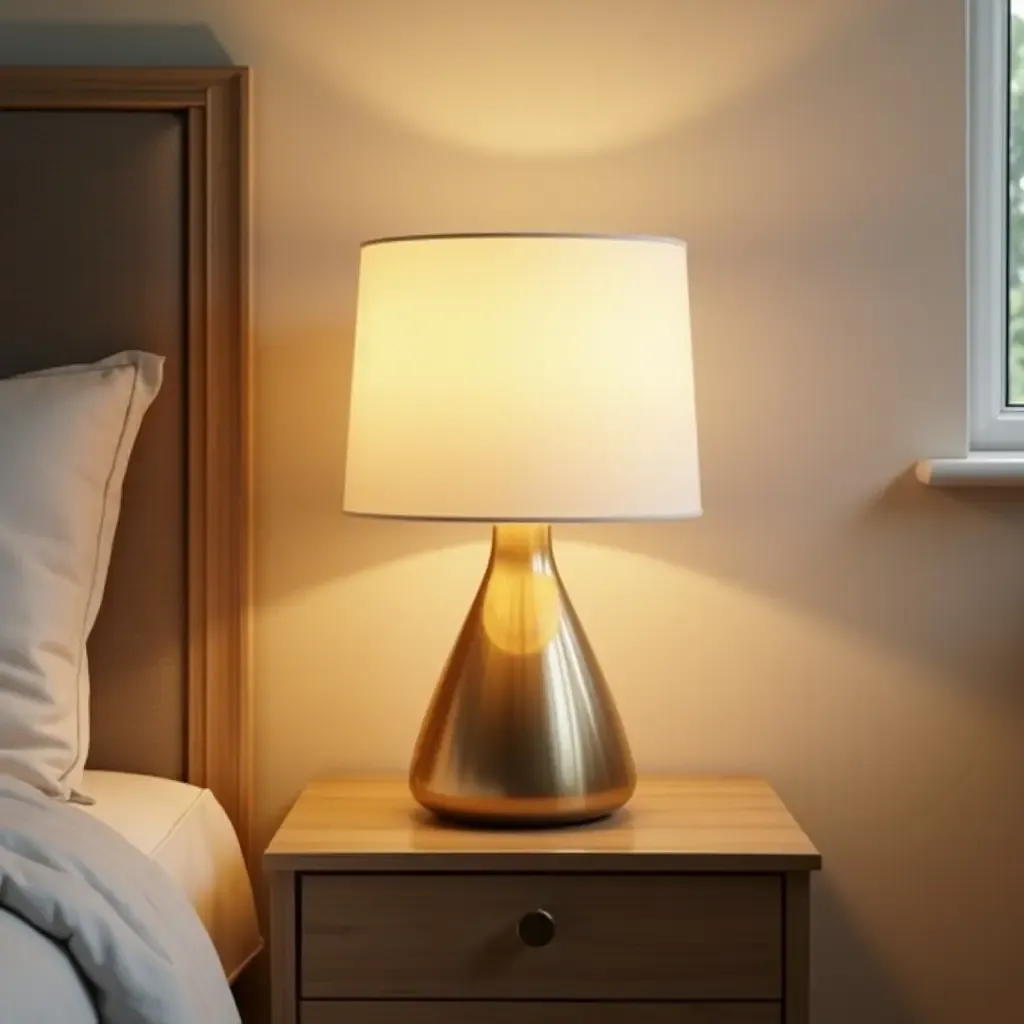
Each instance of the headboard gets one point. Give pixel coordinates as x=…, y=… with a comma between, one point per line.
x=124, y=224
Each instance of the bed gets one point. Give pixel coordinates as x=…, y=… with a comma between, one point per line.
x=124, y=215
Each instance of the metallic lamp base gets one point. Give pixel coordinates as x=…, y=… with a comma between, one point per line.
x=522, y=730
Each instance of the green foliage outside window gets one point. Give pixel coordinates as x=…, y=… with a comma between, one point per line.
x=1016, y=208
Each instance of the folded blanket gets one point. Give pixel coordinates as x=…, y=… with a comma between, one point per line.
x=129, y=932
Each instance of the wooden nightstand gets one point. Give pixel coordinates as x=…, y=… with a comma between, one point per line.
x=690, y=907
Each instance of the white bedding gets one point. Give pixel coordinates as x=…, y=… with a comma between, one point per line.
x=91, y=929
x=186, y=831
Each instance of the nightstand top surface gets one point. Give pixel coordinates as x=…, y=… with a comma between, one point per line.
x=699, y=823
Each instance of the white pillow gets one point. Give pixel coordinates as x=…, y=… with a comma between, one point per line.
x=65, y=438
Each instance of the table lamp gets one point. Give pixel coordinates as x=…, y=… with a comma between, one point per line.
x=523, y=380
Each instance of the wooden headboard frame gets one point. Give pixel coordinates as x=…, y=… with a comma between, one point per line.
x=214, y=104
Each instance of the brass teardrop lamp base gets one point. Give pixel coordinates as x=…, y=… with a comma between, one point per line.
x=522, y=730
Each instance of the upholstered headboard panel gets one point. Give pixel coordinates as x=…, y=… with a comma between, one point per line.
x=122, y=219
x=92, y=261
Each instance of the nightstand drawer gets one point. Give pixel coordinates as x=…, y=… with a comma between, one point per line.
x=623, y=937
x=540, y=1013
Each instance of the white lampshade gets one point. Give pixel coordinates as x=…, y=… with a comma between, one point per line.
x=512, y=378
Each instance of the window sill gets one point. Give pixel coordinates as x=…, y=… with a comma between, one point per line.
x=978, y=469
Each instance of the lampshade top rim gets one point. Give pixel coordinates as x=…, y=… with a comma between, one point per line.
x=568, y=235
x=415, y=517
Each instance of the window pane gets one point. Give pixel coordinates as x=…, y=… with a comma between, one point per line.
x=1015, y=352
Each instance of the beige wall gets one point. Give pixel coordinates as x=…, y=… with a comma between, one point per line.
x=828, y=623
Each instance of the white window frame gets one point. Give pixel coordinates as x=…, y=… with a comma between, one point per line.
x=993, y=425
x=995, y=431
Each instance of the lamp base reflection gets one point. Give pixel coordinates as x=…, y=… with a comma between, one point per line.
x=522, y=730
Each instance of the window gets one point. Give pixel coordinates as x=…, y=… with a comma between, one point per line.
x=996, y=223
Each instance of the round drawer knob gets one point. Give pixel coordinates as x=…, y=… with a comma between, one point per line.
x=537, y=928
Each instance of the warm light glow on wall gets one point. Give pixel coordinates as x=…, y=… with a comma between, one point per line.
x=551, y=77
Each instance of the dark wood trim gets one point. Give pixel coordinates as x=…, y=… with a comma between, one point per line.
x=219, y=741
x=214, y=102
x=85, y=88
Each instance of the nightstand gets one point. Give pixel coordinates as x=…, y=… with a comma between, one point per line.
x=689, y=907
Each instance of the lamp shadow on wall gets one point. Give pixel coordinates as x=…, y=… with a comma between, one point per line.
x=118, y=44
x=847, y=965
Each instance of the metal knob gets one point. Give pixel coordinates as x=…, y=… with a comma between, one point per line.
x=537, y=928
